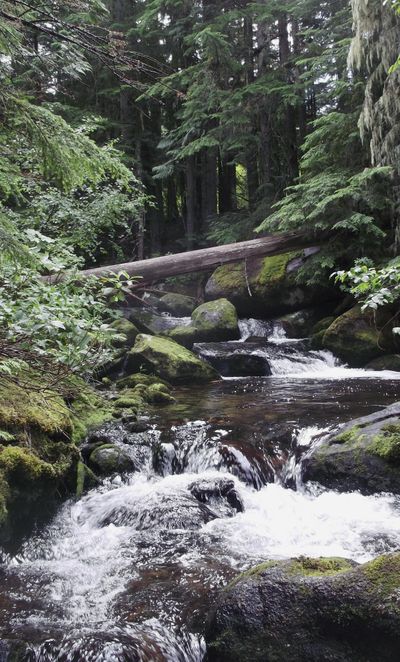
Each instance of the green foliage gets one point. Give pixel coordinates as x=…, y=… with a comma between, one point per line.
x=336, y=195
x=373, y=286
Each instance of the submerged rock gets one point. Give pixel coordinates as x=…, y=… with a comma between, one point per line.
x=364, y=455
x=266, y=286
x=207, y=491
x=309, y=610
x=170, y=361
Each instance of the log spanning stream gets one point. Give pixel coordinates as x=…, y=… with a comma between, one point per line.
x=129, y=572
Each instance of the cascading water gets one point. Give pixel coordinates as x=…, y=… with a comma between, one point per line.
x=129, y=571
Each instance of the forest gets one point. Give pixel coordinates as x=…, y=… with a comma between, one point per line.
x=181, y=452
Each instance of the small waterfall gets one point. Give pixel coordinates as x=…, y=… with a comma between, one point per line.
x=252, y=328
x=304, y=442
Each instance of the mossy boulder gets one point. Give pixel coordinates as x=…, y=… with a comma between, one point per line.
x=363, y=455
x=110, y=459
x=139, y=379
x=185, y=335
x=216, y=321
x=309, y=610
x=356, y=337
x=387, y=362
x=38, y=446
x=172, y=362
x=177, y=305
x=159, y=394
x=148, y=321
x=266, y=286
x=127, y=330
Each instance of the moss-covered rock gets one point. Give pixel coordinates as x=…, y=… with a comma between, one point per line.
x=387, y=362
x=216, y=321
x=172, y=362
x=355, y=337
x=185, y=335
x=137, y=379
x=38, y=452
x=309, y=610
x=110, y=459
x=178, y=305
x=159, y=394
x=364, y=455
x=127, y=330
x=265, y=286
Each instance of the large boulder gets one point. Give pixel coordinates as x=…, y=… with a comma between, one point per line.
x=364, y=455
x=169, y=360
x=216, y=321
x=176, y=304
x=354, y=337
x=265, y=286
x=39, y=429
x=309, y=610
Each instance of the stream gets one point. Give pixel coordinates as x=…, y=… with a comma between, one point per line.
x=129, y=572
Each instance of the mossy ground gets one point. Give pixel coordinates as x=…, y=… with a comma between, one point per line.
x=387, y=444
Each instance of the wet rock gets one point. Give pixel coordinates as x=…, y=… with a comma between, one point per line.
x=363, y=455
x=207, y=490
x=169, y=360
x=177, y=304
x=127, y=330
x=235, y=364
x=159, y=394
x=309, y=610
x=354, y=337
x=266, y=286
x=387, y=362
x=165, y=461
x=165, y=511
x=109, y=459
x=301, y=323
x=247, y=463
x=216, y=321
x=147, y=321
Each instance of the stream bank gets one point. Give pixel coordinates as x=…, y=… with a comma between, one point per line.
x=131, y=570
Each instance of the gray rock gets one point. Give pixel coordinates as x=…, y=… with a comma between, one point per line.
x=309, y=610
x=363, y=455
x=109, y=459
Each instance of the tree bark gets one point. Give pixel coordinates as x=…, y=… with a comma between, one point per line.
x=157, y=269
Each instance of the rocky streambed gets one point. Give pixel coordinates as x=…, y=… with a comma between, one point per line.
x=210, y=486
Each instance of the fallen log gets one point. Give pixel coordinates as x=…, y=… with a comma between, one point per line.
x=207, y=259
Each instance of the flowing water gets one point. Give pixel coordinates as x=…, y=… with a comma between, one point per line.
x=129, y=572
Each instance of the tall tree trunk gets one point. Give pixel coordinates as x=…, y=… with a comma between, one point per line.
x=291, y=111
x=251, y=162
x=227, y=186
x=209, y=184
x=191, y=201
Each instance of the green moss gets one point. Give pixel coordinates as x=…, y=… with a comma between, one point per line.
x=127, y=330
x=158, y=394
x=322, y=325
x=22, y=464
x=387, y=444
x=253, y=572
x=171, y=361
x=32, y=408
x=349, y=436
x=273, y=269
x=131, y=399
x=310, y=567
x=215, y=315
x=384, y=573
x=230, y=276
x=88, y=409
x=139, y=378
x=353, y=337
